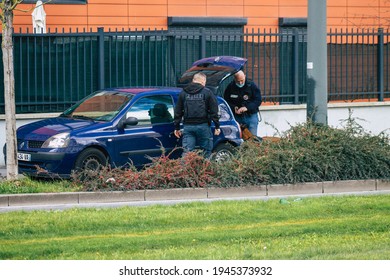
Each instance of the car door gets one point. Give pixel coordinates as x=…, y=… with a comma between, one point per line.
x=151, y=136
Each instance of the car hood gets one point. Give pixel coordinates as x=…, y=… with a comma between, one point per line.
x=44, y=129
x=216, y=68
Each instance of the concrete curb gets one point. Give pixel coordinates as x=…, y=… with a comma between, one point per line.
x=13, y=200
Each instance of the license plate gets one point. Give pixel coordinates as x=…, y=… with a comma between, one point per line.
x=24, y=157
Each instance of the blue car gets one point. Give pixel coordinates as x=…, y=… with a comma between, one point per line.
x=121, y=126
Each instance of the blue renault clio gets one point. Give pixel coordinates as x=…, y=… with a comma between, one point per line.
x=121, y=126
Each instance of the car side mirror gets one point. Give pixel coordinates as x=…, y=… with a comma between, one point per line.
x=126, y=122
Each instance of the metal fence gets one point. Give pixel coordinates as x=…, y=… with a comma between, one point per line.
x=54, y=70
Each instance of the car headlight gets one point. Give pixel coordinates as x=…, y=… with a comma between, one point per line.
x=60, y=140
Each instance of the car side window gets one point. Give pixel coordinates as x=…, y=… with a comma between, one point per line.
x=152, y=110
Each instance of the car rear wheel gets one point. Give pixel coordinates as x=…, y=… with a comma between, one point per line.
x=223, y=152
x=90, y=159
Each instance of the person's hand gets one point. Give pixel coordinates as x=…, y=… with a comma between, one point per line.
x=177, y=133
x=217, y=131
x=241, y=110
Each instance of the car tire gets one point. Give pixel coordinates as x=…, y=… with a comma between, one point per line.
x=90, y=159
x=223, y=152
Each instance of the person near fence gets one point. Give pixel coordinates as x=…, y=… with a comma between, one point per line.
x=196, y=108
x=244, y=98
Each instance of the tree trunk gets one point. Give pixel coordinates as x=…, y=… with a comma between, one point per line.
x=9, y=91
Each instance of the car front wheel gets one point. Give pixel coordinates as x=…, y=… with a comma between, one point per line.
x=90, y=159
x=223, y=152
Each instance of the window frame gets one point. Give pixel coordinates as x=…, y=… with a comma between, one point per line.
x=143, y=113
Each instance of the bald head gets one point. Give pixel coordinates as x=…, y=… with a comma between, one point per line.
x=239, y=78
x=199, y=78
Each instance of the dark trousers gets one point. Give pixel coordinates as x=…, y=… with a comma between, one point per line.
x=197, y=135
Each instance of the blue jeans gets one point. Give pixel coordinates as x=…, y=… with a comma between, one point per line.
x=252, y=121
x=197, y=135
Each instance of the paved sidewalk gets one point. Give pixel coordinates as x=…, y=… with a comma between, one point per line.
x=12, y=202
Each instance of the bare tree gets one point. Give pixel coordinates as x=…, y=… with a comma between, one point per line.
x=7, y=16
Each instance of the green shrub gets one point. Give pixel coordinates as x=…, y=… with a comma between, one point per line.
x=313, y=153
x=305, y=153
x=191, y=171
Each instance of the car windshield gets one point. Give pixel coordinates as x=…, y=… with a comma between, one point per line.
x=100, y=106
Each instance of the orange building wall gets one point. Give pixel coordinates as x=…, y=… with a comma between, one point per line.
x=153, y=13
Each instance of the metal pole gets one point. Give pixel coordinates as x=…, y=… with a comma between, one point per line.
x=317, y=78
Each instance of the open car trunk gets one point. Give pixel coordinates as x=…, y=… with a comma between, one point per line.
x=217, y=69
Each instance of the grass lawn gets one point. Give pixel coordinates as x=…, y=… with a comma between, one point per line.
x=27, y=185
x=339, y=227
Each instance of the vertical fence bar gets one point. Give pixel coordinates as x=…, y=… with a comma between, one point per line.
x=50, y=76
x=346, y=60
x=143, y=44
x=272, y=42
x=92, y=65
x=77, y=69
x=296, y=65
x=57, y=75
x=62, y=69
x=359, y=66
x=330, y=61
x=129, y=49
x=71, y=70
x=136, y=57
x=35, y=70
x=386, y=66
x=163, y=70
x=123, y=58
x=258, y=55
x=264, y=46
x=202, y=51
x=253, y=52
x=149, y=58
x=84, y=66
x=110, y=59
x=43, y=74
x=21, y=84
x=351, y=55
x=380, y=65
x=100, y=65
x=336, y=64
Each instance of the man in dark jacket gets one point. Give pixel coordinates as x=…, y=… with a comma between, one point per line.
x=244, y=98
x=196, y=107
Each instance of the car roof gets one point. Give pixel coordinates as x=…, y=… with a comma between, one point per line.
x=140, y=90
x=154, y=90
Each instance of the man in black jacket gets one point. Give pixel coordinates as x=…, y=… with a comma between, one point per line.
x=244, y=98
x=197, y=106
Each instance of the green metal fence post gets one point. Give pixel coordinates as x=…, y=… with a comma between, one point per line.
x=380, y=65
x=202, y=42
x=101, y=70
x=296, y=65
